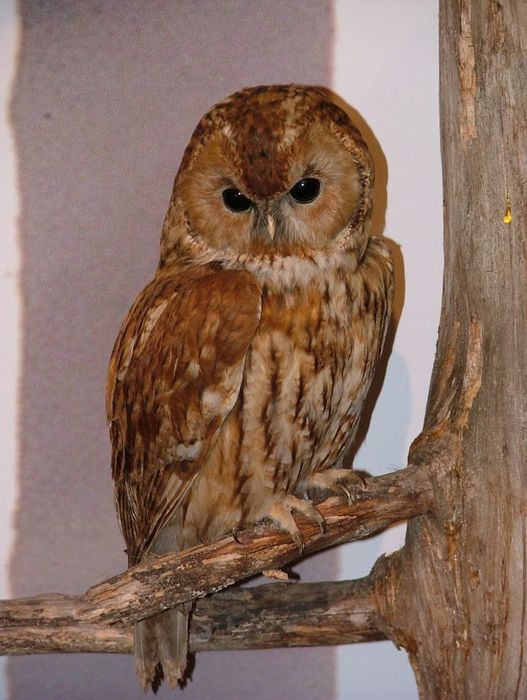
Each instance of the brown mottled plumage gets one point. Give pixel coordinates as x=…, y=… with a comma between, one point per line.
x=238, y=377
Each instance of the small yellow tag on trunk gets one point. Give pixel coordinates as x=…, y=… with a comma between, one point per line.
x=507, y=217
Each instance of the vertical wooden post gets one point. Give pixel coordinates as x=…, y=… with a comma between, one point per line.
x=455, y=597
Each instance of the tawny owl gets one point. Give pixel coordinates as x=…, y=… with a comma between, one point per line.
x=238, y=376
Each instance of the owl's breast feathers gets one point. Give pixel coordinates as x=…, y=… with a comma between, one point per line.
x=227, y=387
x=309, y=369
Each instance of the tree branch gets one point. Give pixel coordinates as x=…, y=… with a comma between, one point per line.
x=60, y=623
x=296, y=614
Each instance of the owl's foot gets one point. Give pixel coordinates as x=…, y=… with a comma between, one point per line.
x=344, y=482
x=281, y=514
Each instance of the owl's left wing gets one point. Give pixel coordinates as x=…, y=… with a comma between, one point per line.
x=174, y=376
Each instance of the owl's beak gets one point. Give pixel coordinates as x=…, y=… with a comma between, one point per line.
x=265, y=225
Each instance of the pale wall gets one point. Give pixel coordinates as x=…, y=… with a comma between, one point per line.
x=386, y=65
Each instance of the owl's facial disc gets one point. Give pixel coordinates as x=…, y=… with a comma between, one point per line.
x=272, y=169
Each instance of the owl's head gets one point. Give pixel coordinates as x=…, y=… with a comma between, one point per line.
x=271, y=170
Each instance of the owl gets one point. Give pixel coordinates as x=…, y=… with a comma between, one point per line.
x=237, y=379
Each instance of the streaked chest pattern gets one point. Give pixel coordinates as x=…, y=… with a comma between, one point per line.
x=305, y=378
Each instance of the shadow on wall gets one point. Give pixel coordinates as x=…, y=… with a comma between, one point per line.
x=387, y=427
x=380, y=203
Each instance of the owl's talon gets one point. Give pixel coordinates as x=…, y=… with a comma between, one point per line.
x=335, y=481
x=346, y=492
x=235, y=532
x=360, y=479
x=313, y=514
x=280, y=513
x=298, y=540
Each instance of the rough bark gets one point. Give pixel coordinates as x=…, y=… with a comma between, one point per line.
x=273, y=615
x=455, y=596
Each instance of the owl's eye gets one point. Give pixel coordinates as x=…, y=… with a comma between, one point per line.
x=306, y=190
x=235, y=200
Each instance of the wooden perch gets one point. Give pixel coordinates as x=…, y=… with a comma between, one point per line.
x=62, y=623
x=455, y=596
x=301, y=614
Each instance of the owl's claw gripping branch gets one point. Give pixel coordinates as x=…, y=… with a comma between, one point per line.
x=281, y=514
x=346, y=482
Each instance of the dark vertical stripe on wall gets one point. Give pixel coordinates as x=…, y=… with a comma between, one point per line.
x=106, y=97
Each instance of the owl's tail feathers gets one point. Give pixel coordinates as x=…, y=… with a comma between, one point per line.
x=161, y=648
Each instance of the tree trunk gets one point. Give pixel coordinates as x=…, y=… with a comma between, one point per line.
x=455, y=596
